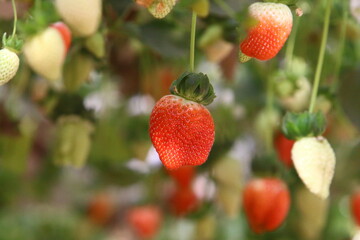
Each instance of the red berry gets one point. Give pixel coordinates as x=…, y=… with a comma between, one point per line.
x=183, y=176
x=266, y=203
x=182, y=131
x=145, y=220
x=65, y=33
x=355, y=207
x=101, y=209
x=183, y=201
x=283, y=148
x=271, y=30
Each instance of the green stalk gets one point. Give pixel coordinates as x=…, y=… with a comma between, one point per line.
x=321, y=56
x=15, y=18
x=291, y=43
x=192, y=41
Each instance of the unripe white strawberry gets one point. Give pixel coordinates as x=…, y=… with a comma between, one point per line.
x=299, y=99
x=45, y=53
x=161, y=8
x=314, y=161
x=9, y=64
x=82, y=16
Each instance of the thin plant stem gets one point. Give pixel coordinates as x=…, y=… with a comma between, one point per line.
x=339, y=56
x=321, y=56
x=15, y=17
x=291, y=43
x=228, y=10
x=192, y=41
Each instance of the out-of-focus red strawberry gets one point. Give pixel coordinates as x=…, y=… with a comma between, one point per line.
x=183, y=201
x=355, y=207
x=182, y=176
x=283, y=148
x=266, y=203
x=101, y=209
x=65, y=33
x=145, y=220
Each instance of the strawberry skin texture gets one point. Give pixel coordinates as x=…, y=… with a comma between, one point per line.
x=355, y=207
x=272, y=28
x=266, y=204
x=9, y=64
x=65, y=33
x=181, y=131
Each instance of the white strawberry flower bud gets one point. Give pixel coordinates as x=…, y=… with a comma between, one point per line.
x=314, y=161
x=9, y=64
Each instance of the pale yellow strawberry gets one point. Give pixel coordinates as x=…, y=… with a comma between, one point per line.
x=314, y=161
x=45, y=53
x=9, y=64
x=312, y=213
x=299, y=99
x=82, y=16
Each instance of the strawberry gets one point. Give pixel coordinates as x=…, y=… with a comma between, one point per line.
x=45, y=53
x=272, y=26
x=65, y=33
x=266, y=203
x=161, y=8
x=183, y=176
x=144, y=3
x=145, y=220
x=355, y=206
x=283, y=148
x=181, y=128
x=101, y=209
x=9, y=64
x=82, y=16
x=183, y=201
x=314, y=161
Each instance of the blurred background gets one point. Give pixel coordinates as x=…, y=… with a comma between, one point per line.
x=76, y=160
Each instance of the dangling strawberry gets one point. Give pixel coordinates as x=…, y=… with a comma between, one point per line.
x=181, y=128
x=45, y=53
x=273, y=23
x=283, y=148
x=183, y=176
x=266, y=203
x=65, y=33
x=355, y=207
x=312, y=155
x=183, y=201
x=9, y=61
x=9, y=64
x=145, y=220
x=82, y=16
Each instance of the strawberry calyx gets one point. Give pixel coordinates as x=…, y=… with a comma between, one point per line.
x=300, y=125
x=12, y=43
x=195, y=87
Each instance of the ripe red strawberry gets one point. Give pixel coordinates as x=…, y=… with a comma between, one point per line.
x=45, y=53
x=266, y=203
x=9, y=64
x=183, y=201
x=273, y=23
x=101, y=209
x=183, y=176
x=82, y=16
x=145, y=220
x=283, y=148
x=355, y=207
x=65, y=33
x=181, y=128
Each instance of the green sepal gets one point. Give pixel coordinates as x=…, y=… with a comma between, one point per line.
x=194, y=87
x=299, y=125
x=12, y=43
x=286, y=2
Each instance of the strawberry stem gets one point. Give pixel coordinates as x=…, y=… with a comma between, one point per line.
x=291, y=43
x=15, y=17
x=321, y=56
x=192, y=41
